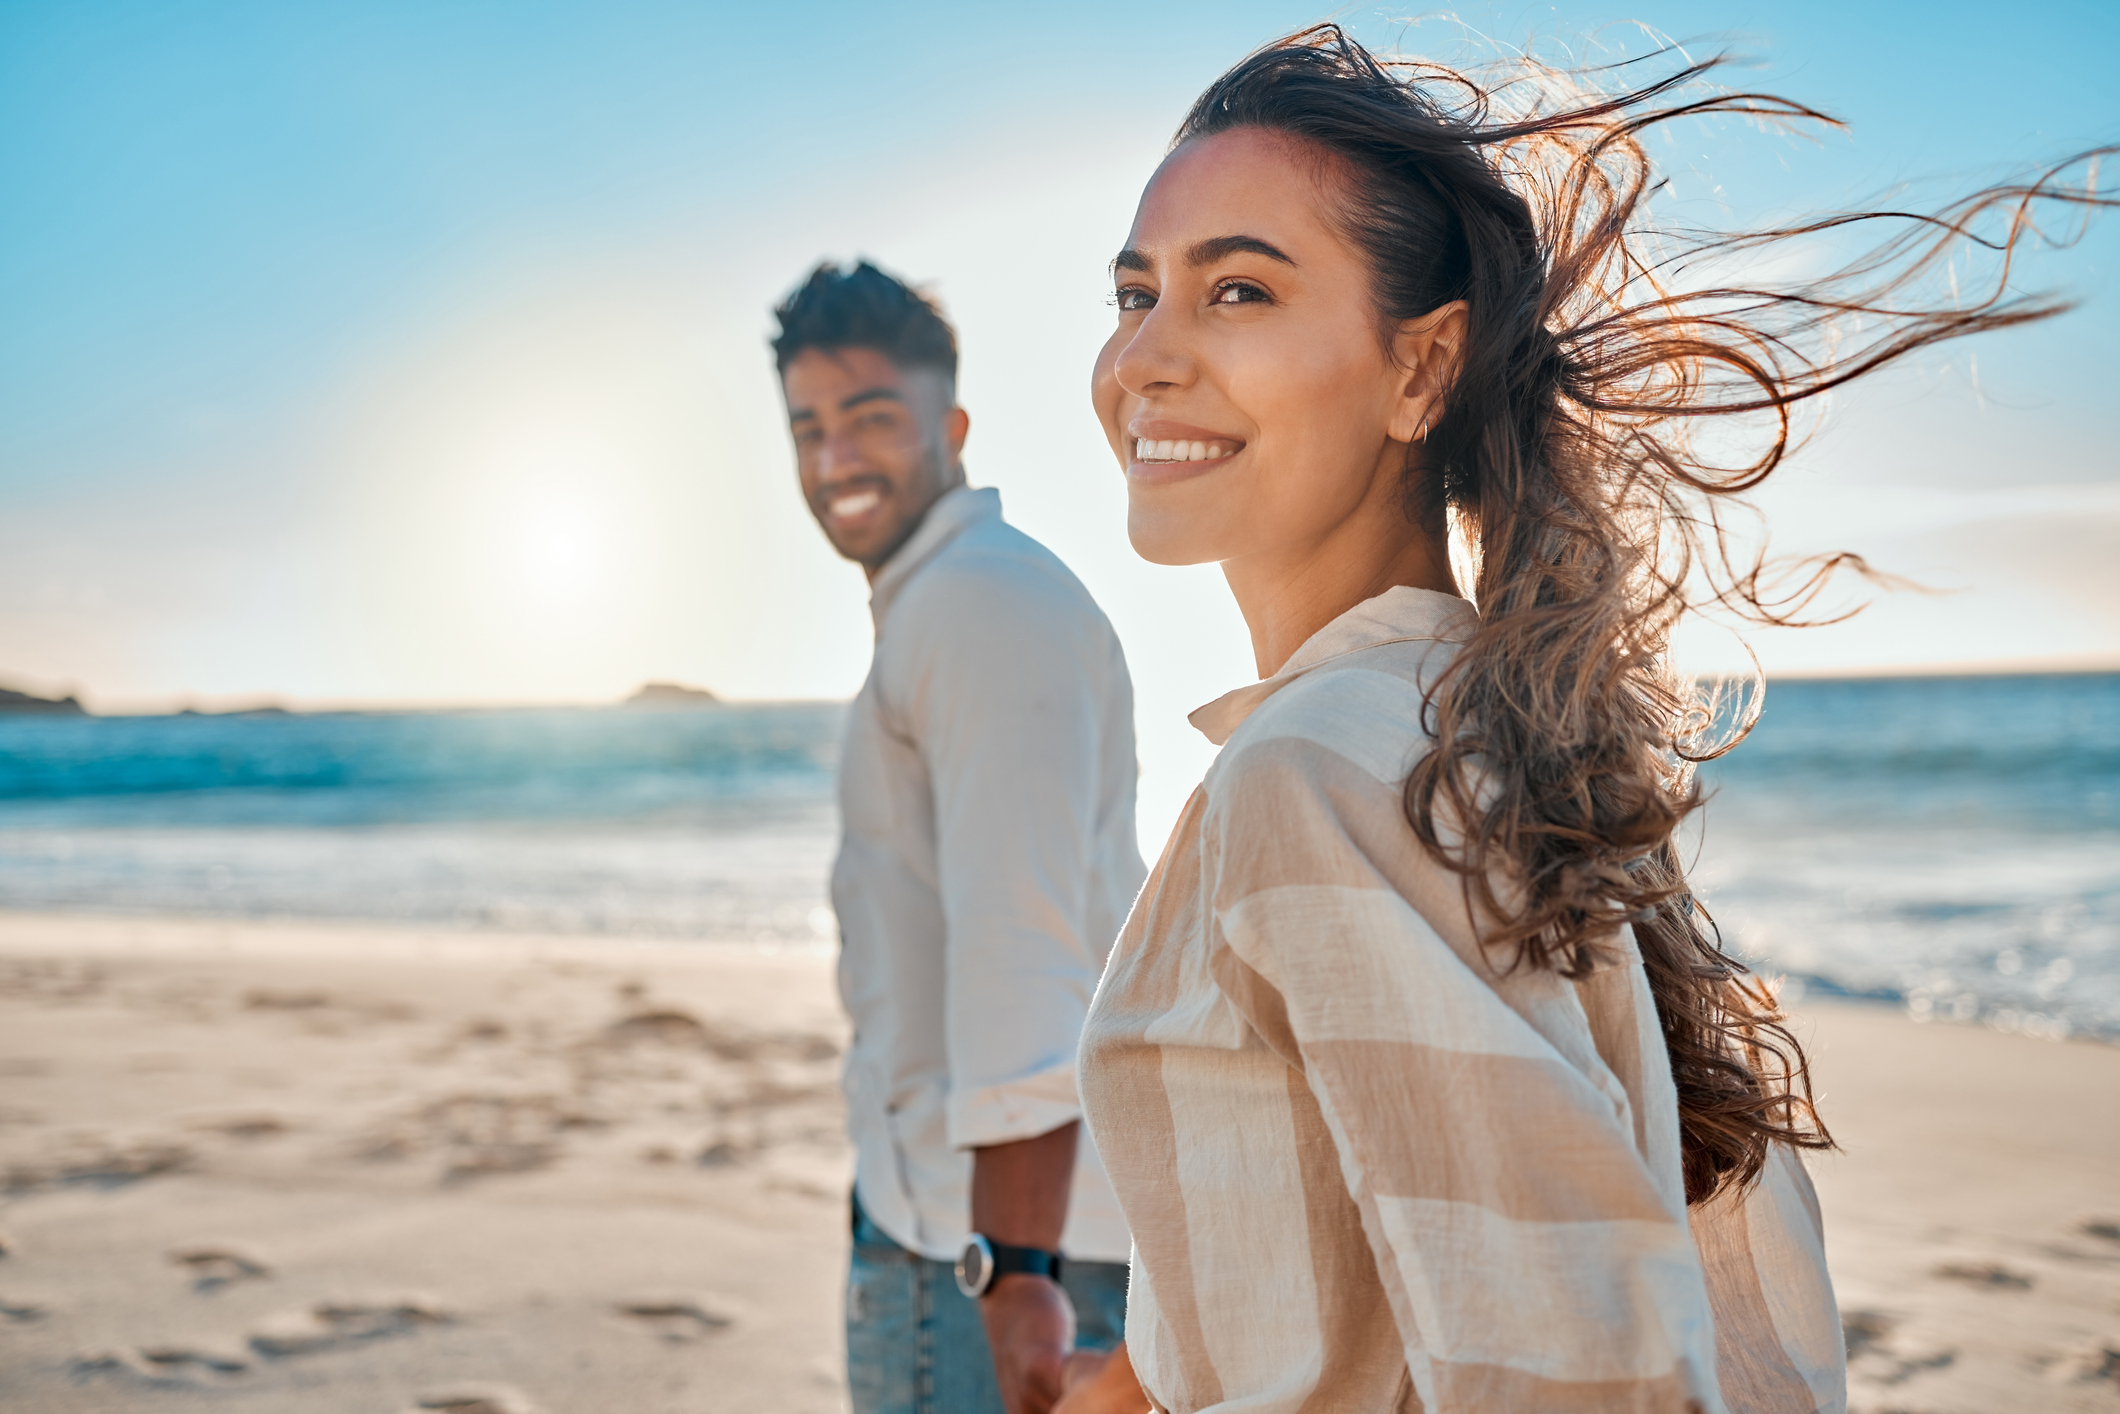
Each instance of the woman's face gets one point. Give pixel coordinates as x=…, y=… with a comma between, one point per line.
x=1246, y=390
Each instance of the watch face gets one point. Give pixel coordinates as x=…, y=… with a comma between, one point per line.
x=976, y=1267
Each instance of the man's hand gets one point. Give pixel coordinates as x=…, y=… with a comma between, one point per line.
x=1031, y=1325
x=1019, y=1197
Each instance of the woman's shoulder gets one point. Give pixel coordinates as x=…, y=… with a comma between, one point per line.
x=1366, y=711
x=1309, y=792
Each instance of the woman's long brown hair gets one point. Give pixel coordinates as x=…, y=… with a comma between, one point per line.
x=1566, y=744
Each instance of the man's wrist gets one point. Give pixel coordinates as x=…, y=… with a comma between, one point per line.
x=984, y=1263
x=1002, y=1279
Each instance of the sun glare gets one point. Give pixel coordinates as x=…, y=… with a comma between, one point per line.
x=556, y=551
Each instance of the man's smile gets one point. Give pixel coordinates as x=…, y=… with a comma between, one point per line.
x=848, y=506
x=853, y=503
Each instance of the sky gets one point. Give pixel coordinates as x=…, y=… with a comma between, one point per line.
x=415, y=352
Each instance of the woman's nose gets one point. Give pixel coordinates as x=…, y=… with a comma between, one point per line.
x=1154, y=360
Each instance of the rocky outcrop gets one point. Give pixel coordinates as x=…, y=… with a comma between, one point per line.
x=669, y=697
x=11, y=701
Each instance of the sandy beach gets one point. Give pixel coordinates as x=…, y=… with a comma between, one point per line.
x=260, y=1167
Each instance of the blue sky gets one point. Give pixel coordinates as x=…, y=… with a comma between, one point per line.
x=413, y=352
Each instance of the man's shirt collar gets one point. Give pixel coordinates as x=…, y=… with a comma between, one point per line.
x=954, y=512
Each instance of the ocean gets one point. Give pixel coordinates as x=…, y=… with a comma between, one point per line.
x=1949, y=844
x=715, y=825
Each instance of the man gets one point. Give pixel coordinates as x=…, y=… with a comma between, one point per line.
x=986, y=862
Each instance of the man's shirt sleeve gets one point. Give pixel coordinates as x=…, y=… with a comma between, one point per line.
x=1006, y=673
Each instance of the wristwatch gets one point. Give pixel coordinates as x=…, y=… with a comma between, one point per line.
x=983, y=1261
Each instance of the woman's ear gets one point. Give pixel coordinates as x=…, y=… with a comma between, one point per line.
x=1426, y=351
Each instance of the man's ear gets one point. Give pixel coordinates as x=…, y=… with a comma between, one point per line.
x=956, y=423
x=1427, y=351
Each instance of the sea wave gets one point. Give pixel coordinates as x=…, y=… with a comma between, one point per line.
x=1949, y=844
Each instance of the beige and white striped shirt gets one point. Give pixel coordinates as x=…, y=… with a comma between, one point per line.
x=1367, y=1171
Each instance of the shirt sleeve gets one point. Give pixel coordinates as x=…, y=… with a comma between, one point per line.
x=1003, y=700
x=1529, y=1257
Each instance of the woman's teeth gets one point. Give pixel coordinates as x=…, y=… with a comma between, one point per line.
x=1168, y=450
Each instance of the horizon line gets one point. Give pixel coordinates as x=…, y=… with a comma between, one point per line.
x=235, y=704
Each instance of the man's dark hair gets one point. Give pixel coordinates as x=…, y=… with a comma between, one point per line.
x=863, y=308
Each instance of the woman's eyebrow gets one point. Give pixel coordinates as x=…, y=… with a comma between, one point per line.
x=1206, y=252
x=1216, y=248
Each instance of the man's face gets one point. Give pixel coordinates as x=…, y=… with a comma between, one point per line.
x=875, y=445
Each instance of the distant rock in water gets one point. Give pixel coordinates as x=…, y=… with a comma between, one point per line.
x=270, y=709
x=11, y=701
x=670, y=697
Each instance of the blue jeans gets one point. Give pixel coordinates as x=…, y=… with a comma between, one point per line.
x=915, y=1344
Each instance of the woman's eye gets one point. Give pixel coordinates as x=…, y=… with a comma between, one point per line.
x=1239, y=292
x=1133, y=299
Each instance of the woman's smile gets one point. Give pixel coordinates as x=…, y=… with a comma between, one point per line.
x=1178, y=451
x=1172, y=451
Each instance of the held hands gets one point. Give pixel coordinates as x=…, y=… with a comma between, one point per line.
x=1031, y=1326
x=1019, y=1197
x=1102, y=1384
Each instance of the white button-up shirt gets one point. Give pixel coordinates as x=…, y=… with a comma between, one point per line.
x=986, y=864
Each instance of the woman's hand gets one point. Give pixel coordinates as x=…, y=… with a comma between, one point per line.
x=1102, y=1384
x=1029, y=1326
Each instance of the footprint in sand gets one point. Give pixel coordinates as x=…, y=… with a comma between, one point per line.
x=16, y=1311
x=268, y=999
x=244, y=1126
x=476, y=1399
x=670, y=1026
x=2095, y=1363
x=1992, y=1275
x=679, y=1029
x=163, y=1366
x=1878, y=1351
x=720, y=1154
x=332, y=1324
x=1864, y=1330
x=482, y=1134
x=100, y=1164
x=212, y=1268
x=2106, y=1229
x=678, y=1320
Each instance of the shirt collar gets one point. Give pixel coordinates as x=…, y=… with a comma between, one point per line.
x=954, y=512
x=1401, y=614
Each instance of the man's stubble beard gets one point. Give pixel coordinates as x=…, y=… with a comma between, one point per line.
x=938, y=483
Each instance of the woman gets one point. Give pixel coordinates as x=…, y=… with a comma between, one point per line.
x=1420, y=1076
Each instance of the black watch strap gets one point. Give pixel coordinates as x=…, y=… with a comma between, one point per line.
x=985, y=1261
x=1035, y=1261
